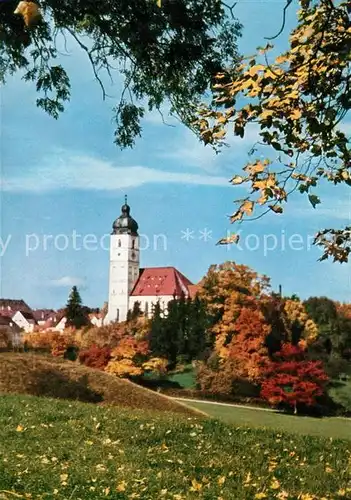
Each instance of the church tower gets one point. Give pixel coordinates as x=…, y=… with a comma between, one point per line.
x=124, y=264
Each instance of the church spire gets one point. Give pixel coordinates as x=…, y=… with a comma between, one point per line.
x=125, y=224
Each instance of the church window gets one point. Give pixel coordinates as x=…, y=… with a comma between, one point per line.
x=133, y=243
x=146, y=308
x=119, y=243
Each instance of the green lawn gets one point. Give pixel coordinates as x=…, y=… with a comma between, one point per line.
x=186, y=378
x=55, y=449
x=325, y=427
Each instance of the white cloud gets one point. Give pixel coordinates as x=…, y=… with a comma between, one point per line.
x=67, y=281
x=189, y=151
x=88, y=173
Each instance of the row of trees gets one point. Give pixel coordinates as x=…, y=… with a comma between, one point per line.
x=245, y=339
x=281, y=348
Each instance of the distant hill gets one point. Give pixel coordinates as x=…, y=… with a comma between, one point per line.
x=43, y=376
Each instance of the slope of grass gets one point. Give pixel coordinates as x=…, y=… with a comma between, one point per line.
x=69, y=450
x=326, y=427
x=50, y=377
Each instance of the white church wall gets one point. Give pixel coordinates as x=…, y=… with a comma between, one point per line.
x=124, y=271
x=151, y=300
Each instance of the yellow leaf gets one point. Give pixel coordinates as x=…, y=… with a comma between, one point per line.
x=277, y=209
x=255, y=168
x=275, y=485
x=159, y=3
x=255, y=69
x=306, y=34
x=233, y=238
x=195, y=486
x=296, y=114
x=270, y=74
x=260, y=495
x=222, y=119
x=19, y=428
x=237, y=180
x=246, y=84
x=30, y=13
x=266, y=114
x=281, y=59
x=238, y=215
x=220, y=134
x=121, y=486
x=221, y=480
x=248, y=478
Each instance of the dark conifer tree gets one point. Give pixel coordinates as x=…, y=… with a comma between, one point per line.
x=75, y=312
x=198, y=323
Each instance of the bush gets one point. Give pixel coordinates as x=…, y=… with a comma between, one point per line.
x=95, y=357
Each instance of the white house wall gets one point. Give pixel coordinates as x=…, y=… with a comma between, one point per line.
x=21, y=321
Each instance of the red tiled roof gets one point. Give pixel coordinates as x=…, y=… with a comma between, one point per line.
x=43, y=314
x=53, y=321
x=156, y=281
x=6, y=313
x=14, y=305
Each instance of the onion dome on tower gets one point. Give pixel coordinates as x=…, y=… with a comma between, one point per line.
x=125, y=224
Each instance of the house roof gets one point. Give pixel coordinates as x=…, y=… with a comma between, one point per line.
x=28, y=316
x=43, y=314
x=155, y=281
x=7, y=322
x=13, y=305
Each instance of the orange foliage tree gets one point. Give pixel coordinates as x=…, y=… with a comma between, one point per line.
x=248, y=346
x=112, y=334
x=225, y=290
x=300, y=326
x=128, y=357
x=50, y=341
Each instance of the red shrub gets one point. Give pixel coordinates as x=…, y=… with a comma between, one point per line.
x=95, y=357
x=294, y=380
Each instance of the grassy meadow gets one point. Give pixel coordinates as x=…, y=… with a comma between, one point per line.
x=59, y=449
x=336, y=428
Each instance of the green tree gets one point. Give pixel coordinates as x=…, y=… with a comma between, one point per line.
x=75, y=311
x=157, y=341
x=198, y=323
x=167, y=53
x=334, y=341
x=134, y=313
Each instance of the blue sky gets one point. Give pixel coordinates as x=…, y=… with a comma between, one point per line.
x=65, y=180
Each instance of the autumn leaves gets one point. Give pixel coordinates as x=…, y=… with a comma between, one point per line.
x=30, y=12
x=298, y=101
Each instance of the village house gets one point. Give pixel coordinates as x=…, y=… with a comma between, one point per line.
x=10, y=333
x=19, y=312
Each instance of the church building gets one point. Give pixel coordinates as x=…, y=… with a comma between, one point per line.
x=129, y=283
